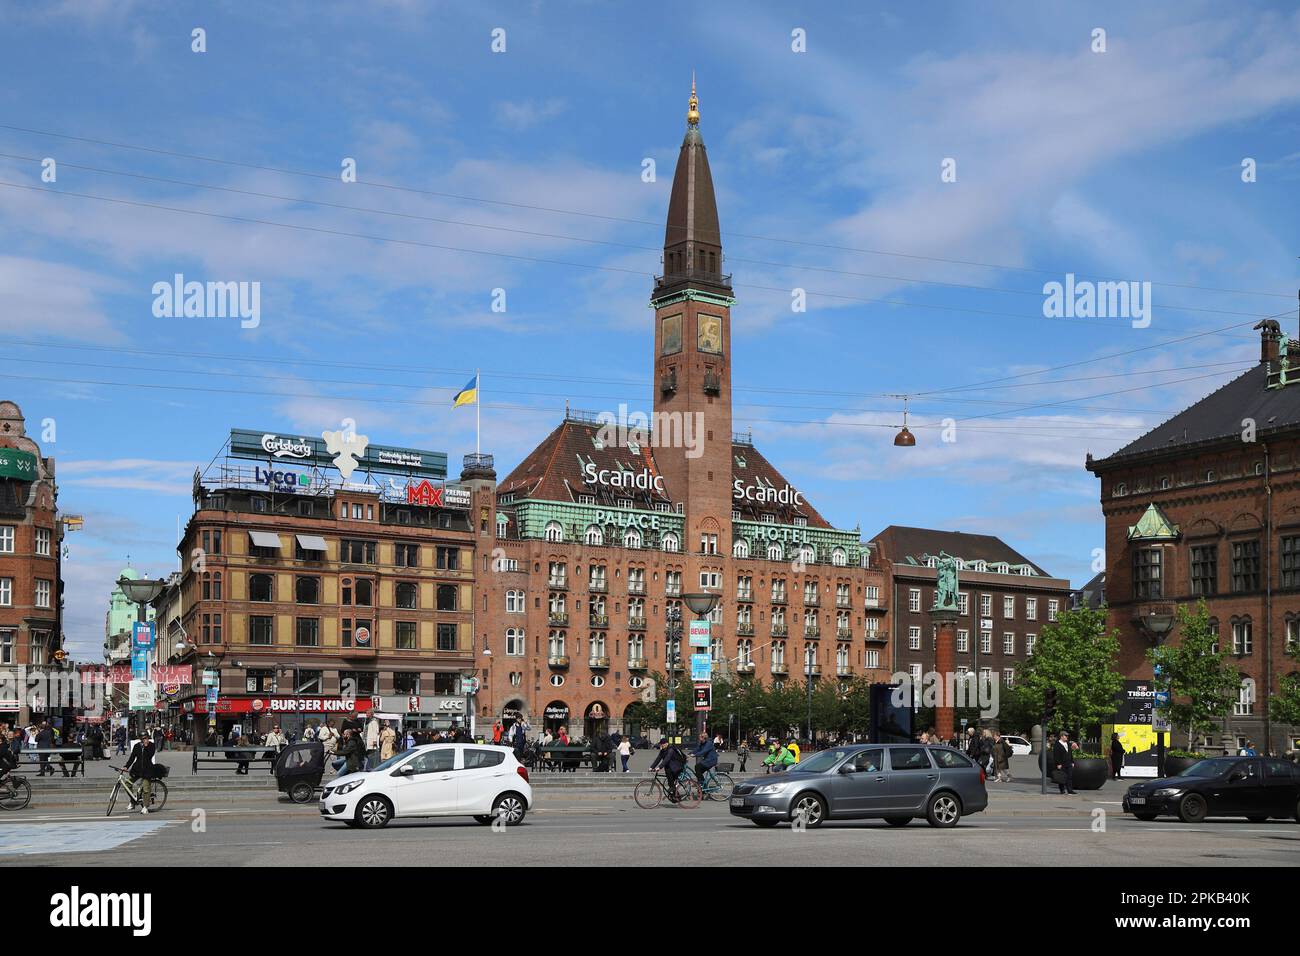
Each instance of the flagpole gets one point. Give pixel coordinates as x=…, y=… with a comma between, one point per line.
x=478, y=414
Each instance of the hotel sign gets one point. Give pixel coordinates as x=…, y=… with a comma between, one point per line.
x=643, y=480
x=261, y=445
x=765, y=494
x=646, y=522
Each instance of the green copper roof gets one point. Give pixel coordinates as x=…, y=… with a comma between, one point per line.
x=1154, y=525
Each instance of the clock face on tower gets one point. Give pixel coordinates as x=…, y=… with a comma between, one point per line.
x=709, y=338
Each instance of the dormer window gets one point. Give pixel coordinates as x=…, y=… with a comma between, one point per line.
x=625, y=502
x=801, y=521
x=1120, y=490
x=768, y=518
x=597, y=443
x=740, y=461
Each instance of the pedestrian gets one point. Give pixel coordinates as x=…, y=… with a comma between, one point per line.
x=742, y=754
x=1116, y=756
x=1063, y=761
x=497, y=730
x=143, y=770
x=372, y=741
x=600, y=746
x=387, y=741
x=625, y=752
x=276, y=740
x=1001, y=758
x=45, y=741
x=241, y=765
x=353, y=752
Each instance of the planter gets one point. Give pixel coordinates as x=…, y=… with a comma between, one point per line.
x=1176, y=765
x=1090, y=773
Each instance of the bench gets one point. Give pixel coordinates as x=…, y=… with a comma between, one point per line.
x=69, y=757
x=232, y=757
x=559, y=757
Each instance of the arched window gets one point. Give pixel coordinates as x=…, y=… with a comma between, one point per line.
x=671, y=542
x=307, y=591
x=515, y=641
x=775, y=552
x=260, y=587
x=553, y=531
x=594, y=534
x=632, y=538
x=839, y=557
x=406, y=595
x=808, y=554
x=740, y=548
x=503, y=524
x=515, y=602
x=365, y=591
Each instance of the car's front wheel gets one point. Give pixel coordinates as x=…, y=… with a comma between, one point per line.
x=764, y=823
x=374, y=812
x=898, y=821
x=1192, y=809
x=511, y=807
x=943, y=810
x=1145, y=817
x=808, y=808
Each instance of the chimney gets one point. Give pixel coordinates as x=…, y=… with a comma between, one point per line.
x=1270, y=338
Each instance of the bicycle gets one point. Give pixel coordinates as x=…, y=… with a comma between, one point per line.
x=15, y=792
x=649, y=794
x=717, y=784
x=157, y=792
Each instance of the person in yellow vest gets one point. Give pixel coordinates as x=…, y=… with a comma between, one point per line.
x=794, y=750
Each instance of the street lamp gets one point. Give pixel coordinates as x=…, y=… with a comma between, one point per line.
x=701, y=604
x=673, y=636
x=140, y=592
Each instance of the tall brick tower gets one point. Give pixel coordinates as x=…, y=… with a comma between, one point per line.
x=692, y=380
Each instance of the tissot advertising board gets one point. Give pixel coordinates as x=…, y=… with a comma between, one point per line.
x=288, y=448
x=1133, y=724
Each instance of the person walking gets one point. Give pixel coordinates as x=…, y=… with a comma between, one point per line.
x=143, y=770
x=387, y=741
x=1116, y=756
x=372, y=741
x=497, y=730
x=44, y=741
x=1001, y=758
x=742, y=754
x=352, y=751
x=1063, y=761
x=625, y=752
x=520, y=740
x=276, y=740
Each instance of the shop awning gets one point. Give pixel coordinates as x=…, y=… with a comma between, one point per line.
x=265, y=539
x=311, y=542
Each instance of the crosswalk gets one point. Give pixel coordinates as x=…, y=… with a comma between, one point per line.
x=73, y=837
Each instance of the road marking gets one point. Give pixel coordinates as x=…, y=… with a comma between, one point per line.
x=75, y=837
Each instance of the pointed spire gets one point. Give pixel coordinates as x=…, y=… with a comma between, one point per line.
x=693, y=109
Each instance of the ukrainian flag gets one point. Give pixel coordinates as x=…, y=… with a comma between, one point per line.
x=467, y=395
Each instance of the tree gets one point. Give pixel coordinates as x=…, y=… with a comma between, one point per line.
x=1076, y=656
x=1201, y=685
x=1284, y=706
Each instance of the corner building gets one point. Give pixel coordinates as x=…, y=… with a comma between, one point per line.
x=598, y=535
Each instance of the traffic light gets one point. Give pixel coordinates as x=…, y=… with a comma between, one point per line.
x=1049, y=705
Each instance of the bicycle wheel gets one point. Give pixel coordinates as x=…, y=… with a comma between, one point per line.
x=157, y=796
x=689, y=794
x=648, y=794
x=17, y=794
x=720, y=786
x=112, y=797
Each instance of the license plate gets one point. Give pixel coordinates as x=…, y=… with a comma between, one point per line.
x=737, y=801
x=1137, y=801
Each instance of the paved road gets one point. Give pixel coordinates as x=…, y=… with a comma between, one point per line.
x=613, y=831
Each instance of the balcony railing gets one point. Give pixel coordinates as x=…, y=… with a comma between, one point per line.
x=598, y=620
x=598, y=586
x=676, y=665
x=845, y=601
x=812, y=600
x=815, y=670
x=745, y=629
x=745, y=595
x=637, y=663
x=558, y=661
x=811, y=630
x=558, y=584
x=712, y=383
x=745, y=667
x=558, y=618
x=844, y=633
x=598, y=663
x=778, y=598
x=636, y=587
x=780, y=668
x=779, y=630
x=844, y=670
x=668, y=384
x=636, y=624
x=875, y=607
x=877, y=637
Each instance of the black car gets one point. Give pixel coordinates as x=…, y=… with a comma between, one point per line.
x=1257, y=788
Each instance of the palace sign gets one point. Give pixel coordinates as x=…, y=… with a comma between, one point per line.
x=646, y=522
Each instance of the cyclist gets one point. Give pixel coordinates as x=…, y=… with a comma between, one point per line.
x=141, y=767
x=673, y=761
x=706, y=758
x=9, y=750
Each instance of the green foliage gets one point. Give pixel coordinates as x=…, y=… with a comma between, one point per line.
x=1201, y=685
x=1185, y=754
x=1076, y=656
x=1284, y=706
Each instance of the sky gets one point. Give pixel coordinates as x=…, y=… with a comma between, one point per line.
x=921, y=172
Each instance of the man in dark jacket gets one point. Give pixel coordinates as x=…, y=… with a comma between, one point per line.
x=352, y=750
x=520, y=740
x=706, y=757
x=142, y=769
x=44, y=741
x=673, y=761
x=1063, y=763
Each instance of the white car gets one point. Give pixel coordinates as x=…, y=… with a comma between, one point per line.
x=434, y=780
x=1019, y=745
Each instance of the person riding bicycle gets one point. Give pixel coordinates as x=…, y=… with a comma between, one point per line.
x=142, y=769
x=8, y=754
x=706, y=757
x=673, y=761
x=780, y=760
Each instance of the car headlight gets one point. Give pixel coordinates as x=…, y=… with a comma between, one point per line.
x=1168, y=792
x=769, y=788
x=347, y=787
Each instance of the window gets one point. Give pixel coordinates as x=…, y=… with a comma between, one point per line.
x=352, y=551
x=260, y=587
x=555, y=644
x=1290, y=562
x=406, y=595
x=708, y=544
x=6, y=647
x=42, y=593
x=873, y=595
x=775, y=552
x=260, y=629
x=1147, y=576
x=740, y=549
x=914, y=599
x=406, y=682
x=1245, y=566
x=361, y=683
x=406, y=635
x=909, y=758
x=258, y=680
x=1052, y=607
x=42, y=542
x=447, y=597
x=553, y=531
x=963, y=641
x=6, y=592
x=986, y=605
x=1008, y=643
x=631, y=538
x=594, y=535
x=448, y=559
x=6, y=539
x=307, y=590
x=447, y=637
x=710, y=579
x=1030, y=641
x=406, y=555
x=1245, y=704
x=963, y=602
x=1031, y=609
x=515, y=641
x=1243, y=642
x=211, y=628
x=839, y=557
x=1205, y=567
x=914, y=638
x=1009, y=606
x=365, y=592
x=873, y=659
x=670, y=542
x=307, y=632
x=1009, y=677
x=986, y=642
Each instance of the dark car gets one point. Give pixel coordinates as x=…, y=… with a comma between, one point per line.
x=894, y=782
x=1257, y=788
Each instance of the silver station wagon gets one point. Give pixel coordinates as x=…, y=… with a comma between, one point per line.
x=893, y=782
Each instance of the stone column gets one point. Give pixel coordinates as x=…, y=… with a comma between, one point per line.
x=945, y=666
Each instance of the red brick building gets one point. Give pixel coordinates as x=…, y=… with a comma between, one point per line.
x=600, y=531
x=1208, y=505
x=31, y=585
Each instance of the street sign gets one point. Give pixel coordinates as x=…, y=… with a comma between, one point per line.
x=699, y=633
x=210, y=678
x=469, y=685
x=139, y=662
x=212, y=699
x=701, y=667
x=703, y=697
x=1162, y=698
x=141, y=695
x=671, y=713
x=1160, y=724
x=142, y=634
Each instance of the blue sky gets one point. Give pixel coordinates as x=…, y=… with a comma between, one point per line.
x=1124, y=164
